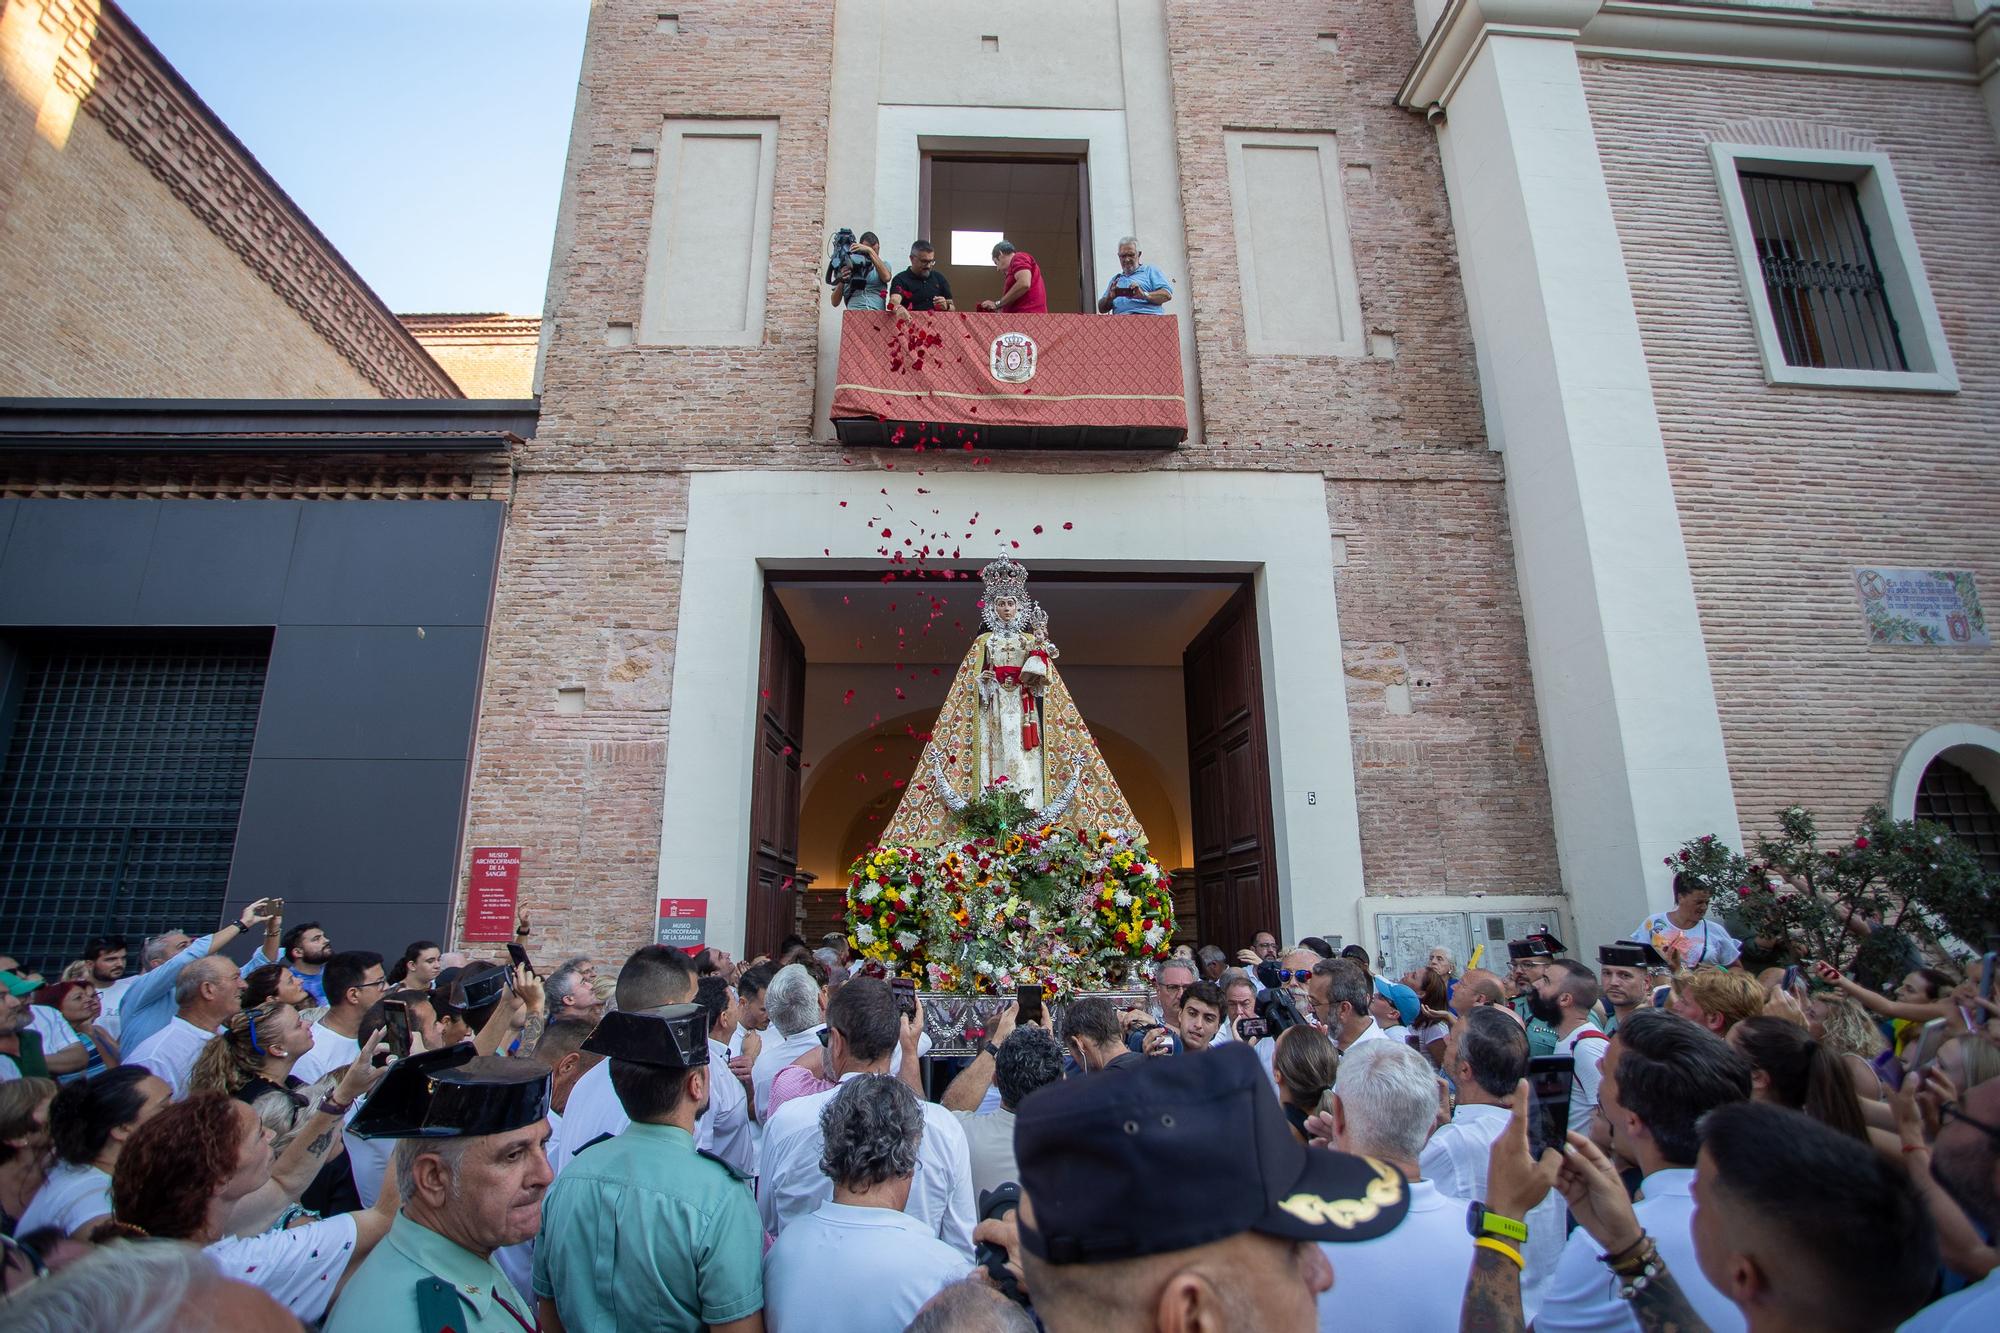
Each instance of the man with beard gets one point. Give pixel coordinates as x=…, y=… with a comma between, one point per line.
x=1529, y=958
x=471, y=1166
x=642, y=1230
x=1563, y=998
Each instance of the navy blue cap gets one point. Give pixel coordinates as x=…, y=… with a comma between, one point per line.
x=1186, y=1151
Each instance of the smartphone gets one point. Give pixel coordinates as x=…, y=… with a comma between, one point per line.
x=1029, y=998
x=1250, y=1029
x=1791, y=978
x=1550, y=1078
x=906, y=995
x=520, y=956
x=1992, y=958
x=395, y=1031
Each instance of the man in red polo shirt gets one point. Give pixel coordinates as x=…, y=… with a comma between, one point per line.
x=1022, y=293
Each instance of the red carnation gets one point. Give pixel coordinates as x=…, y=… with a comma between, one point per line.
x=864, y=911
x=1861, y=844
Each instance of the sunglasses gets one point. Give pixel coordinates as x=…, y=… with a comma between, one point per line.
x=1288, y=974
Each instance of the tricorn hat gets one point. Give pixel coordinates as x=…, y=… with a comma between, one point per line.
x=1631, y=953
x=675, y=1037
x=453, y=1093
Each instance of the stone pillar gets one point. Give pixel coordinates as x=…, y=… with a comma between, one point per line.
x=1984, y=15
x=1628, y=712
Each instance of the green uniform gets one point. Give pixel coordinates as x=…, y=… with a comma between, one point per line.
x=1542, y=1038
x=641, y=1231
x=382, y=1296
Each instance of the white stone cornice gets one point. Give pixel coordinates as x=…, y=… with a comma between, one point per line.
x=1463, y=30
x=1948, y=50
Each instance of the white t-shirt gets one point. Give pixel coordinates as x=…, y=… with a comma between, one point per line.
x=1587, y=1047
x=367, y=1159
x=1974, y=1310
x=989, y=1140
x=171, y=1051
x=71, y=1196
x=110, y=998
x=1455, y=1160
x=1380, y=1284
x=298, y=1268
x=330, y=1051
x=1583, y=1295
x=793, y=1185
x=1432, y=1032
x=843, y=1269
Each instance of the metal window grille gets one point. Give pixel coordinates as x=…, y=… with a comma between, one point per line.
x=122, y=785
x=1820, y=274
x=1950, y=796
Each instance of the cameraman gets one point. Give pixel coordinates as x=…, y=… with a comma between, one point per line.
x=864, y=260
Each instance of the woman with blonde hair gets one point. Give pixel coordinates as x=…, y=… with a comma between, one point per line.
x=1846, y=1029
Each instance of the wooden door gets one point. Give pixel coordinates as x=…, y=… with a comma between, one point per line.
x=1230, y=779
x=774, y=793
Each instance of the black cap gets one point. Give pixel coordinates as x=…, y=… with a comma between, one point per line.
x=675, y=1037
x=453, y=1093
x=476, y=986
x=1540, y=944
x=1185, y=1152
x=1630, y=953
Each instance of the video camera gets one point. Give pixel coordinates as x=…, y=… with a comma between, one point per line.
x=841, y=266
x=996, y=1204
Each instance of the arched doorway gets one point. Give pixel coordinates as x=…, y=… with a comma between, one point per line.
x=1953, y=797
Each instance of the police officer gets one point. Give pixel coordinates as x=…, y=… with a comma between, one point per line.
x=1625, y=969
x=470, y=1132
x=643, y=1230
x=1530, y=958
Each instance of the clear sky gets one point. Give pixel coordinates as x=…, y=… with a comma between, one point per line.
x=426, y=138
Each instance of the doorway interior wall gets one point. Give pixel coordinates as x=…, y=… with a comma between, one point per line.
x=746, y=529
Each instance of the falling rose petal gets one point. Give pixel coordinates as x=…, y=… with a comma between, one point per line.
x=1038, y=529
x=887, y=533
x=1015, y=545
x=843, y=504
x=1068, y=526
x=788, y=749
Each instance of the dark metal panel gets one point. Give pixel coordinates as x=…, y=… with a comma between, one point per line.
x=218, y=562
x=8, y=508
x=345, y=830
x=354, y=923
x=71, y=562
x=422, y=562
x=370, y=692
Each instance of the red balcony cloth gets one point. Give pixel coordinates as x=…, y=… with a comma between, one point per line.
x=1090, y=370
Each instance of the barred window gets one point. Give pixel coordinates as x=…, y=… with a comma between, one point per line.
x=1821, y=275
x=1837, y=293
x=1950, y=796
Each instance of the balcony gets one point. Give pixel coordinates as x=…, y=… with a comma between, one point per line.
x=997, y=381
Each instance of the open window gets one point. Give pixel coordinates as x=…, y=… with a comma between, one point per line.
x=1040, y=202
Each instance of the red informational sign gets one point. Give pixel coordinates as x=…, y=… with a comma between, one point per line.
x=493, y=894
x=683, y=923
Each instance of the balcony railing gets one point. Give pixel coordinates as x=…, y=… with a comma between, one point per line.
x=997, y=381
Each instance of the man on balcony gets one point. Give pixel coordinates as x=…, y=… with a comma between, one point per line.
x=920, y=286
x=1136, y=289
x=1023, y=293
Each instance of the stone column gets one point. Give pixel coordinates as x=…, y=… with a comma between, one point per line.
x=1634, y=743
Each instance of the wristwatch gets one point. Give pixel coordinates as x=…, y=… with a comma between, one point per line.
x=1482, y=1221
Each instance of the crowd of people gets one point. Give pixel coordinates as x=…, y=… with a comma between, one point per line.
x=1281, y=1139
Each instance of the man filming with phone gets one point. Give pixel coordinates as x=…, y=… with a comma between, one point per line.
x=1563, y=996
x=1136, y=289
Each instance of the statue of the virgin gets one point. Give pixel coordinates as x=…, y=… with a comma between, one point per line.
x=1009, y=721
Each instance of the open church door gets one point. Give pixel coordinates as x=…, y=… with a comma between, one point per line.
x=1229, y=778
x=774, y=790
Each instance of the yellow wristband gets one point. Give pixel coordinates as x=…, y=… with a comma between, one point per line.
x=1499, y=1247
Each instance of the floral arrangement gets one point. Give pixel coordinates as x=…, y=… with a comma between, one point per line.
x=1013, y=902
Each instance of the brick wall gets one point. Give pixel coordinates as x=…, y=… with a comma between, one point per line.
x=487, y=356
x=587, y=591
x=1783, y=491
x=113, y=288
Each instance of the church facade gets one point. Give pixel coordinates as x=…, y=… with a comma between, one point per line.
x=1582, y=396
